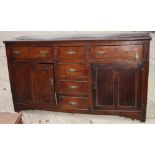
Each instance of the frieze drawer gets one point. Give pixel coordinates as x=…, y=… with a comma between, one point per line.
x=129, y=52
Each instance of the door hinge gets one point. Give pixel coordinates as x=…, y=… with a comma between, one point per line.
x=56, y=99
x=94, y=85
x=142, y=66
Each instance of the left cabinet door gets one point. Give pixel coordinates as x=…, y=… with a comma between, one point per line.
x=33, y=85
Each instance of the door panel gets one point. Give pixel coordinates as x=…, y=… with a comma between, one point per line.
x=130, y=85
x=127, y=87
x=43, y=84
x=23, y=83
x=105, y=81
x=117, y=86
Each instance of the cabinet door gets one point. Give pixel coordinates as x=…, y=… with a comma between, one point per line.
x=33, y=84
x=43, y=84
x=117, y=86
x=22, y=83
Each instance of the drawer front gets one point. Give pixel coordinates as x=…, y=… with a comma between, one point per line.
x=72, y=53
x=73, y=87
x=72, y=70
x=20, y=52
x=73, y=103
x=42, y=52
x=129, y=52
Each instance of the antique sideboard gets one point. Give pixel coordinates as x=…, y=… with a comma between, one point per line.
x=104, y=74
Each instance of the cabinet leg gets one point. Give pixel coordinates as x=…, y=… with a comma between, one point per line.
x=143, y=119
x=17, y=110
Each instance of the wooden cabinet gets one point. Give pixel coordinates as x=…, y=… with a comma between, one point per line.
x=101, y=74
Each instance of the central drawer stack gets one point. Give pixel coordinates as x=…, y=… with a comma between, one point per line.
x=71, y=83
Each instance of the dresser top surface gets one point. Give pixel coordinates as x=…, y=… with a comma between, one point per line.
x=84, y=37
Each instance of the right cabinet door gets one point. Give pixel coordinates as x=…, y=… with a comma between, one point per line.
x=117, y=86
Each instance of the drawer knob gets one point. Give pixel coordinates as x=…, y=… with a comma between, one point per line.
x=137, y=56
x=17, y=52
x=43, y=52
x=74, y=103
x=71, y=52
x=73, y=87
x=101, y=52
x=71, y=70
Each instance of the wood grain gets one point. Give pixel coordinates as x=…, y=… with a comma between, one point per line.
x=95, y=75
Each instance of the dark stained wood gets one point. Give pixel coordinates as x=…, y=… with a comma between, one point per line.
x=117, y=86
x=72, y=69
x=33, y=54
x=145, y=82
x=33, y=83
x=72, y=86
x=41, y=52
x=118, y=52
x=129, y=86
x=23, y=82
x=73, y=103
x=20, y=52
x=104, y=88
x=43, y=81
x=72, y=78
x=71, y=54
x=97, y=74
